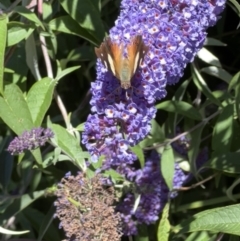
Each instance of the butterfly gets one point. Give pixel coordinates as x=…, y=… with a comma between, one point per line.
x=112, y=57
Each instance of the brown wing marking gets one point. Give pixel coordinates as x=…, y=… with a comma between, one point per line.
x=136, y=52
x=110, y=54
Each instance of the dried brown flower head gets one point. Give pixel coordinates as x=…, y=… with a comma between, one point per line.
x=85, y=208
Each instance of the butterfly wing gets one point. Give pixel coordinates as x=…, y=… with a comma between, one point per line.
x=136, y=52
x=110, y=54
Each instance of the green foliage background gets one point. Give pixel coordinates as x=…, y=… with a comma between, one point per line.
x=52, y=54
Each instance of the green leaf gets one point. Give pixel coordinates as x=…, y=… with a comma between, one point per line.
x=31, y=56
x=10, y=232
x=236, y=5
x=222, y=133
x=14, y=110
x=39, y=99
x=115, y=176
x=225, y=220
x=15, y=113
x=19, y=204
x=229, y=191
x=67, y=25
x=206, y=56
x=234, y=82
x=3, y=39
x=201, y=236
x=178, y=95
x=156, y=135
x=139, y=153
x=213, y=42
x=17, y=32
x=218, y=72
x=225, y=162
x=66, y=71
x=202, y=86
x=69, y=145
x=157, y=132
x=180, y=107
x=6, y=164
x=164, y=225
x=28, y=15
x=194, y=146
x=82, y=53
x=167, y=166
x=80, y=127
x=35, y=218
x=87, y=15
x=142, y=233
x=47, y=228
x=237, y=98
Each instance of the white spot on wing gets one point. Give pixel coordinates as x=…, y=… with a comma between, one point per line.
x=105, y=63
x=110, y=61
x=136, y=62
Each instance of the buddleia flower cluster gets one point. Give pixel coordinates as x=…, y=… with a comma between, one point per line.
x=174, y=32
x=85, y=209
x=30, y=140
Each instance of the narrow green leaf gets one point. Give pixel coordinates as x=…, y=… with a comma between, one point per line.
x=39, y=99
x=234, y=82
x=222, y=133
x=201, y=236
x=69, y=145
x=115, y=176
x=181, y=90
x=202, y=86
x=156, y=135
x=66, y=71
x=139, y=153
x=47, y=227
x=67, y=25
x=17, y=32
x=167, y=166
x=35, y=217
x=164, y=225
x=229, y=191
x=180, y=107
x=206, y=56
x=19, y=204
x=218, y=72
x=10, y=232
x=237, y=98
x=225, y=162
x=91, y=21
x=31, y=56
x=213, y=42
x=82, y=53
x=142, y=233
x=193, y=152
x=236, y=5
x=80, y=127
x=29, y=15
x=3, y=39
x=6, y=164
x=225, y=220
x=14, y=110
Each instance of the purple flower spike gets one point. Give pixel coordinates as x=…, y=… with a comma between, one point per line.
x=173, y=31
x=30, y=140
